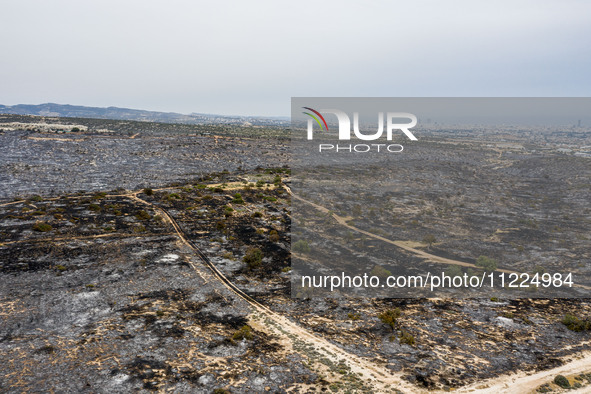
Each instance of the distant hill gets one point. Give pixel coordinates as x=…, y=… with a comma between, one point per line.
x=78, y=111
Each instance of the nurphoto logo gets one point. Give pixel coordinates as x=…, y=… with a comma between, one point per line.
x=344, y=130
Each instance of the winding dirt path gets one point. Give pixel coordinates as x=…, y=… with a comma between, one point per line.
x=374, y=376
x=522, y=382
x=403, y=244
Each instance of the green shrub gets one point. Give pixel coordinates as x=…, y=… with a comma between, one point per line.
x=486, y=263
x=407, y=338
x=238, y=199
x=228, y=211
x=94, y=207
x=573, y=323
x=228, y=255
x=561, y=381
x=99, y=195
x=301, y=246
x=244, y=333
x=253, y=257
x=138, y=229
x=390, y=317
x=257, y=214
x=42, y=227
x=380, y=272
x=273, y=236
x=429, y=239
x=148, y=191
x=143, y=215
x=454, y=270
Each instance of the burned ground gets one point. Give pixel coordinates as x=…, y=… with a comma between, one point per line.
x=124, y=307
x=129, y=155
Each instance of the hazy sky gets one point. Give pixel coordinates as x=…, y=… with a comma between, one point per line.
x=250, y=57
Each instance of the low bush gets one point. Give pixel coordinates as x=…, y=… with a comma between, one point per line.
x=143, y=215
x=486, y=263
x=138, y=229
x=244, y=333
x=380, y=272
x=406, y=338
x=42, y=227
x=562, y=381
x=253, y=257
x=273, y=236
x=390, y=317
x=238, y=199
x=301, y=246
x=573, y=323
x=99, y=195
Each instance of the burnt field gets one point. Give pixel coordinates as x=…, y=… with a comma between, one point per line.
x=107, y=291
x=182, y=281
x=527, y=210
x=98, y=293
x=127, y=154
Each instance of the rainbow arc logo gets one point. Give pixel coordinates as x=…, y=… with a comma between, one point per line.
x=325, y=127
